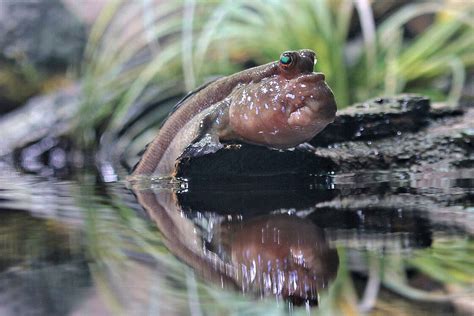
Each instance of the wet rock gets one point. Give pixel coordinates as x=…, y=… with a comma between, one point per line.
x=439, y=145
x=49, y=157
x=237, y=161
x=41, y=117
x=375, y=119
x=42, y=33
x=39, y=38
x=397, y=132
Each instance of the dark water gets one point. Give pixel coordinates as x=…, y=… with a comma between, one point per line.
x=391, y=242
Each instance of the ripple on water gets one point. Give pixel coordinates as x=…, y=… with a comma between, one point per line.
x=171, y=243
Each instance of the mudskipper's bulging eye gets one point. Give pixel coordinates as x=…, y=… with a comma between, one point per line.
x=286, y=59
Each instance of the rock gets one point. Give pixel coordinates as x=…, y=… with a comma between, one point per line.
x=39, y=38
x=237, y=161
x=41, y=117
x=41, y=33
x=375, y=119
x=442, y=144
x=398, y=132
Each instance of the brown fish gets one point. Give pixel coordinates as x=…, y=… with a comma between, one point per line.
x=279, y=105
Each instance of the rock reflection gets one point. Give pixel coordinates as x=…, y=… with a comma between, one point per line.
x=270, y=255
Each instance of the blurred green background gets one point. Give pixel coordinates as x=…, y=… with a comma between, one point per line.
x=126, y=52
x=365, y=48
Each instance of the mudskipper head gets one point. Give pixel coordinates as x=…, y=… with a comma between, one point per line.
x=287, y=108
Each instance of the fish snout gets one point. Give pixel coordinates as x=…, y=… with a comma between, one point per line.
x=319, y=106
x=325, y=106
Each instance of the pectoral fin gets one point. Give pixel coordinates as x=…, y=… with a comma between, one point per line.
x=207, y=140
x=208, y=144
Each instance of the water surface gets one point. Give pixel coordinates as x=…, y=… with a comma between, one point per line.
x=392, y=241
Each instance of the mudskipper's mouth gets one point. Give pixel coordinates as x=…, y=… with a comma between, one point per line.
x=303, y=116
x=317, y=107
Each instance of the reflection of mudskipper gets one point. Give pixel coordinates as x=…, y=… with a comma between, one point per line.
x=270, y=255
x=278, y=254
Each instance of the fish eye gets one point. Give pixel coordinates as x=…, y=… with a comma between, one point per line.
x=286, y=59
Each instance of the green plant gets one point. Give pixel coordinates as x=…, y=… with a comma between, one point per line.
x=186, y=42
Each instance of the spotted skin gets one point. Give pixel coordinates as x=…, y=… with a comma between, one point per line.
x=280, y=105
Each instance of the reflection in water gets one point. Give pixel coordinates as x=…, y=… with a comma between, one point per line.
x=280, y=255
x=270, y=255
x=85, y=248
x=279, y=242
x=41, y=271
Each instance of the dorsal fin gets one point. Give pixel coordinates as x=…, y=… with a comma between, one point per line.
x=191, y=93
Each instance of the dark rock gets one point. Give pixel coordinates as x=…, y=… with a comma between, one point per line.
x=441, y=144
x=40, y=33
x=49, y=157
x=399, y=132
x=376, y=118
x=41, y=117
x=237, y=161
x=40, y=40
